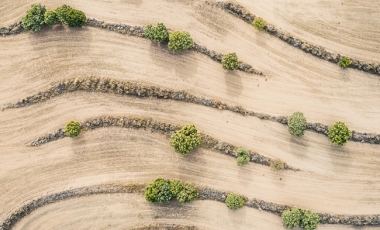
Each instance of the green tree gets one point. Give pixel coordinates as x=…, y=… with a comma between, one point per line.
x=339, y=133
x=51, y=17
x=259, y=23
x=230, y=61
x=72, y=129
x=344, y=62
x=310, y=220
x=180, y=40
x=75, y=18
x=234, y=201
x=158, y=33
x=62, y=13
x=243, y=156
x=185, y=140
x=158, y=191
x=297, y=124
x=292, y=218
x=34, y=18
x=149, y=32
x=176, y=187
x=188, y=193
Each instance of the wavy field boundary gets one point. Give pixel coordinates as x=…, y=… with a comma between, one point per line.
x=138, y=31
x=318, y=51
x=135, y=122
x=108, y=85
x=204, y=194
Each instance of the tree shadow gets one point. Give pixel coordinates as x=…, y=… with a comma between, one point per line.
x=234, y=84
x=183, y=64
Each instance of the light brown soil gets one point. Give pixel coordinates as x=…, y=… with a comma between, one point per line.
x=335, y=180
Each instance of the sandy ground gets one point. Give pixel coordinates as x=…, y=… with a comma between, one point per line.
x=336, y=180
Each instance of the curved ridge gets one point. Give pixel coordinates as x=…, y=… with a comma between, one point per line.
x=244, y=14
x=146, y=123
x=138, y=31
x=204, y=194
x=109, y=85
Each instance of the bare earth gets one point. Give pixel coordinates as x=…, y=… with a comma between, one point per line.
x=335, y=180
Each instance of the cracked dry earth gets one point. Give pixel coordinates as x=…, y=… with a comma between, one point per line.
x=337, y=180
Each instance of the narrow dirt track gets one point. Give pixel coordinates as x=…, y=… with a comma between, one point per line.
x=335, y=180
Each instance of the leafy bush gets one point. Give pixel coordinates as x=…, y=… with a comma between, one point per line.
x=344, y=62
x=51, y=17
x=310, y=220
x=158, y=33
x=292, y=218
x=180, y=40
x=243, y=156
x=230, y=61
x=149, y=32
x=297, y=124
x=188, y=193
x=339, y=133
x=34, y=18
x=186, y=139
x=158, y=191
x=72, y=129
x=234, y=201
x=75, y=18
x=277, y=165
x=176, y=187
x=62, y=13
x=259, y=23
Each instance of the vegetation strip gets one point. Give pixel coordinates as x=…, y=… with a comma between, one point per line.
x=138, y=31
x=135, y=122
x=318, y=51
x=204, y=194
x=109, y=85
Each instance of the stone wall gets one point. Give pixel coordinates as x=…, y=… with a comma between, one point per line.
x=152, y=125
x=64, y=195
x=318, y=51
x=14, y=28
x=109, y=85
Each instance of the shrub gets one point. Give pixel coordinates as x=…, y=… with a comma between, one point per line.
x=310, y=220
x=72, y=129
x=292, y=218
x=234, y=201
x=339, y=133
x=243, y=156
x=176, y=187
x=344, y=62
x=180, y=40
x=158, y=191
x=230, y=61
x=186, y=139
x=297, y=124
x=75, y=18
x=259, y=23
x=34, y=18
x=62, y=13
x=188, y=193
x=51, y=17
x=277, y=165
x=149, y=32
x=158, y=33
